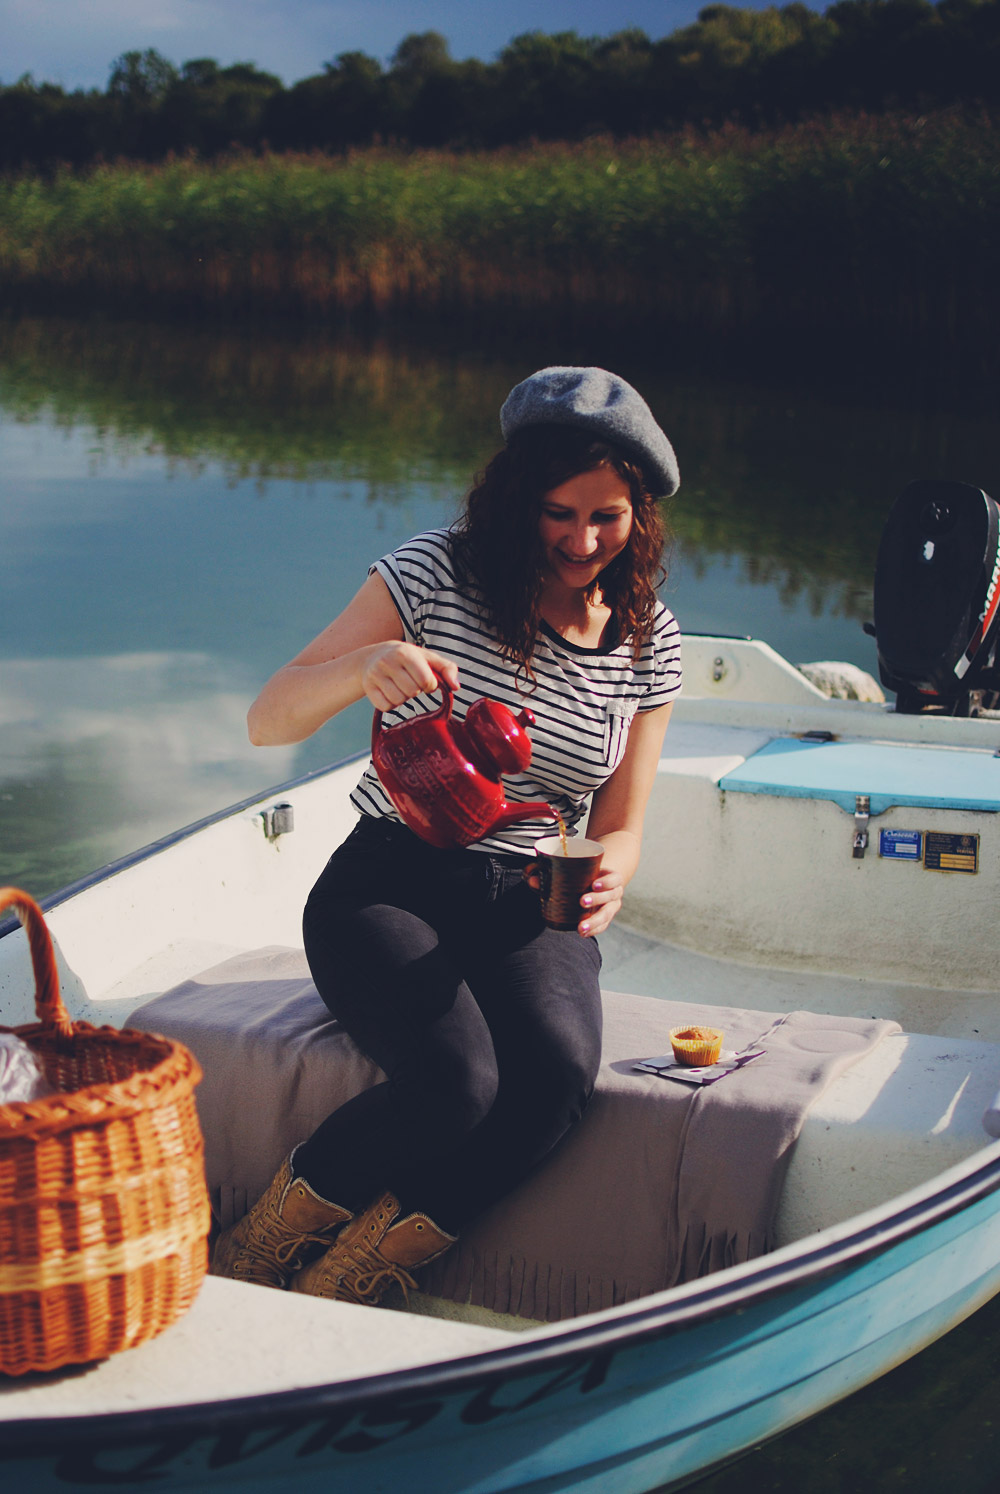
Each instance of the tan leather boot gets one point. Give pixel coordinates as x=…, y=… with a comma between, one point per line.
x=268, y=1245
x=371, y=1253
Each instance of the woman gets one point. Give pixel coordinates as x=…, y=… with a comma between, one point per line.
x=486, y=1023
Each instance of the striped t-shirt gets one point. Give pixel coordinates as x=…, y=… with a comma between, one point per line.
x=582, y=699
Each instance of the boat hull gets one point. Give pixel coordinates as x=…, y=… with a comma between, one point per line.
x=646, y=1396
x=638, y=1399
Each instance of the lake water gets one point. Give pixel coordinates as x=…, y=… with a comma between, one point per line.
x=180, y=510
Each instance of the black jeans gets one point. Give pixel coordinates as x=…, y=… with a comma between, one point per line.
x=486, y=1023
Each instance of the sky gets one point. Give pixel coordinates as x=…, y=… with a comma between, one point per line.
x=73, y=43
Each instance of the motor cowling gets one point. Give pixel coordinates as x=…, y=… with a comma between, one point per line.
x=937, y=599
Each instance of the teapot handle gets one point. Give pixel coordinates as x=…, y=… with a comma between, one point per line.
x=443, y=712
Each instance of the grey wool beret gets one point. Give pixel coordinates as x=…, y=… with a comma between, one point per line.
x=597, y=401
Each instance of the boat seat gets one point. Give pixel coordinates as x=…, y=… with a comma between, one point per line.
x=889, y=773
x=651, y=1151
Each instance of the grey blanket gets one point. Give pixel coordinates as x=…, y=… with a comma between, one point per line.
x=660, y=1183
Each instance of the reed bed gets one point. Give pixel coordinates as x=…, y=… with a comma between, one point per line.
x=874, y=224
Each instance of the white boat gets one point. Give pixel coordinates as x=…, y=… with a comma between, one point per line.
x=803, y=854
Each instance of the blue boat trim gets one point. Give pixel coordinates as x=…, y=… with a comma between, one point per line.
x=587, y=1349
x=889, y=773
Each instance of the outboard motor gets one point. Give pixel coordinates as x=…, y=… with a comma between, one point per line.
x=937, y=600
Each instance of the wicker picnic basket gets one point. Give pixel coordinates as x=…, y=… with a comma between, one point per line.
x=104, y=1212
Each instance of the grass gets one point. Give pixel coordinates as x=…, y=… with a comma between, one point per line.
x=882, y=225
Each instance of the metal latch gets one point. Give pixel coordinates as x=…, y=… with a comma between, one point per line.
x=862, y=808
x=278, y=820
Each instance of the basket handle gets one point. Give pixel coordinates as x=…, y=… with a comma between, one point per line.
x=48, y=1002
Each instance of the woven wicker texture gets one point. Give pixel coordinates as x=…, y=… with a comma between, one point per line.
x=104, y=1212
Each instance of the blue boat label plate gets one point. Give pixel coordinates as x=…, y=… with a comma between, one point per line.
x=901, y=845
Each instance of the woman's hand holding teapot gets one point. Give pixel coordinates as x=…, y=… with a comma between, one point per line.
x=396, y=671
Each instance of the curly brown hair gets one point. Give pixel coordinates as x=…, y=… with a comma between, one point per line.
x=498, y=548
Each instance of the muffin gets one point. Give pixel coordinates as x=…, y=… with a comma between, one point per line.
x=696, y=1047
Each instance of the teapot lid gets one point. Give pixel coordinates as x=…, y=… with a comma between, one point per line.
x=500, y=735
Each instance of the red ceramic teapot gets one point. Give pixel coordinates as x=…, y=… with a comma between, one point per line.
x=443, y=776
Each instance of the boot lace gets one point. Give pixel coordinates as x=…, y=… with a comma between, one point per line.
x=370, y=1286
x=287, y=1252
x=272, y=1238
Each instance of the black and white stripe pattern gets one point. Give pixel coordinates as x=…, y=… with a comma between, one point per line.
x=583, y=700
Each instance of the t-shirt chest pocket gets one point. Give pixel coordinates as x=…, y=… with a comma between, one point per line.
x=617, y=720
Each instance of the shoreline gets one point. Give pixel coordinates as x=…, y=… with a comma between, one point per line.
x=875, y=229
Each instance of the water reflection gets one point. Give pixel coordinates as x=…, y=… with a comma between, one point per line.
x=101, y=754
x=793, y=482
x=263, y=405
x=181, y=509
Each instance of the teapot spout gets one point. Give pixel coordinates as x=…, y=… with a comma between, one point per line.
x=512, y=814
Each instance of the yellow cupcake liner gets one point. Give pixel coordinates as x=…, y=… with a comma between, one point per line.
x=696, y=1047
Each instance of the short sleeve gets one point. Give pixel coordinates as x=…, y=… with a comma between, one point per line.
x=665, y=676
x=414, y=574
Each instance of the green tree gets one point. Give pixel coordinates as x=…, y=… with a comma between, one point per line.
x=200, y=72
x=342, y=106
x=435, y=100
x=137, y=87
x=41, y=126
x=623, y=98
x=210, y=108
x=140, y=79
x=420, y=55
x=967, y=50
x=547, y=83
x=356, y=97
x=883, y=54
x=721, y=62
x=425, y=93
